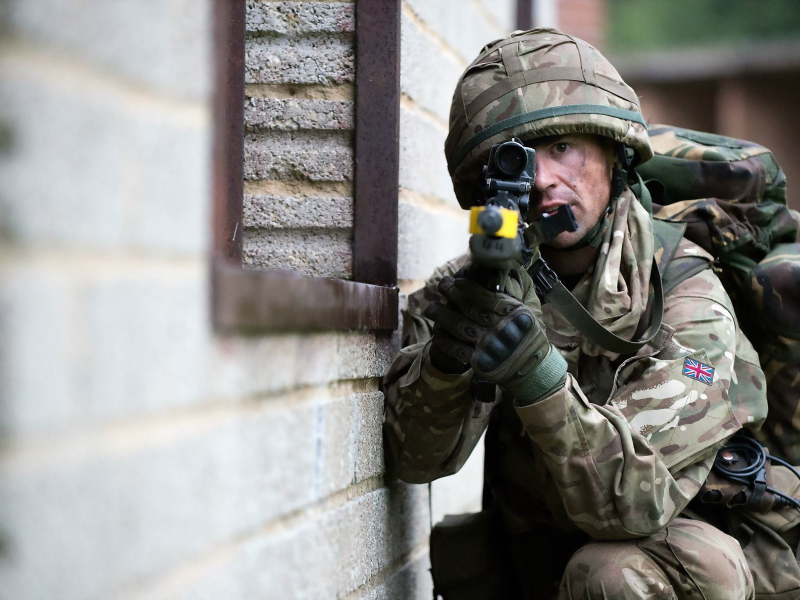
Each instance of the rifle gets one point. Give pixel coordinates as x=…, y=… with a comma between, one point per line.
x=502, y=237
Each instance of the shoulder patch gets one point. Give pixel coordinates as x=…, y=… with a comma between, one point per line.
x=694, y=369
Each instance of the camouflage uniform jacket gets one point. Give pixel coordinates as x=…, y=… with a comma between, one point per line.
x=618, y=452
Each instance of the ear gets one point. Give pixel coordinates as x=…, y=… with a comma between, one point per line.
x=612, y=149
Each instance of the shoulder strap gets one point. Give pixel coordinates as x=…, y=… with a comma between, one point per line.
x=682, y=269
x=667, y=236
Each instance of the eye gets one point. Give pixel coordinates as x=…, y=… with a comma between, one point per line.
x=561, y=147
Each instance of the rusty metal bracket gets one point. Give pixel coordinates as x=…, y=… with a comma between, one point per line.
x=288, y=301
x=228, y=134
x=377, y=166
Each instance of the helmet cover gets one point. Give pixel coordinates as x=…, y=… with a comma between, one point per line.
x=532, y=84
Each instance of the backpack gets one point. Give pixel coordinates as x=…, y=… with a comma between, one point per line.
x=730, y=196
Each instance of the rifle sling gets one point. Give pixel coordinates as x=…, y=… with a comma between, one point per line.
x=560, y=297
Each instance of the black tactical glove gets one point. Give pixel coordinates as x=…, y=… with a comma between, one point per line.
x=498, y=336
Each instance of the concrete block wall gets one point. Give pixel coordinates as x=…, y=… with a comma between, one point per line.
x=439, y=40
x=299, y=116
x=142, y=456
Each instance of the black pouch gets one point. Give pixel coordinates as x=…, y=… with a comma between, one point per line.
x=466, y=558
x=769, y=538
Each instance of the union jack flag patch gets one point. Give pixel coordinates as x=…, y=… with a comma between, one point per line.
x=698, y=370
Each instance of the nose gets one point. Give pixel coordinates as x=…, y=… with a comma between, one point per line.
x=545, y=173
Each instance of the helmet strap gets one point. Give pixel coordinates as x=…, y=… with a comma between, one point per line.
x=619, y=175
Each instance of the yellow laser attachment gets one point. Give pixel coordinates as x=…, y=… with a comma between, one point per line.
x=507, y=230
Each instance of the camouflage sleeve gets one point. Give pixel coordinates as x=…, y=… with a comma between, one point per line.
x=627, y=468
x=432, y=423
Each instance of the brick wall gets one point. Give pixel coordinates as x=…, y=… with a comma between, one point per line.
x=142, y=456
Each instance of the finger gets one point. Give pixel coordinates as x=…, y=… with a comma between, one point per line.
x=503, y=344
x=513, y=333
x=492, y=355
x=510, y=335
x=452, y=347
x=453, y=322
x=479, y=304
x=469, y=302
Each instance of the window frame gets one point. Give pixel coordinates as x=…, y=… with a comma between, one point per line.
x=265, y=300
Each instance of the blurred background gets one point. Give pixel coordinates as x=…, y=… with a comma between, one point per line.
x=143, y=454
x=723, y=66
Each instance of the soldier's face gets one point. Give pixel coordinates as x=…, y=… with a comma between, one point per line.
x=573, y=169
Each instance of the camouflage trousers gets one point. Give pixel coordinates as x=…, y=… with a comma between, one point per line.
x=687, y=560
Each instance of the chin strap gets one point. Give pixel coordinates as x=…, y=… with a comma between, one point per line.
x=619, y=176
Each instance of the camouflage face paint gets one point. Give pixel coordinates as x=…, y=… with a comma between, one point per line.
x=573, y=169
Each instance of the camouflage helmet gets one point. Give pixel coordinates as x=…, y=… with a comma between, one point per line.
x=532, y=84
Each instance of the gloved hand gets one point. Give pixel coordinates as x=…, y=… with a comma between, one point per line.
x=498, y=336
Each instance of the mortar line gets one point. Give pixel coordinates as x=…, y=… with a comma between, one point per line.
x=430, y=202
x=90, y=264
x=296, y=35
x=487, y=14
x=313, y=1
x=64, y=69
x=328, y=504
x=408, y=103
x=39, y=449
x=298, y=135
x=395, y=566
x=190, y=570
x=309, y=189
x=300, y=91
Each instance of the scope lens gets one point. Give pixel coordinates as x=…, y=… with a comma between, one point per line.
x=511, y=158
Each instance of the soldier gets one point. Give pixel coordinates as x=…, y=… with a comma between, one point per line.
x=592, y=455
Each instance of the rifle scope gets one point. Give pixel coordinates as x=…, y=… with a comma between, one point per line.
x=510, y=158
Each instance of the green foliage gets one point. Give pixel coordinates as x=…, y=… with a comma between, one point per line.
x=643, y=25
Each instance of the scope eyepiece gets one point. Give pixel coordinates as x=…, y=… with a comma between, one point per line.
x=510, y=158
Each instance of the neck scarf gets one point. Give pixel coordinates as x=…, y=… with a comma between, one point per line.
x=615, y=290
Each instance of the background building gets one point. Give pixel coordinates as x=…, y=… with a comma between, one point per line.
x=731, y=68
x=169, y=429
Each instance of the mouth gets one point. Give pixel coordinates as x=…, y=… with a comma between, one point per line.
x=549, y=208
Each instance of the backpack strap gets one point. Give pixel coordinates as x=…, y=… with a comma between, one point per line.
x=667, y=236
x=666, y=239
x=639, y=189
